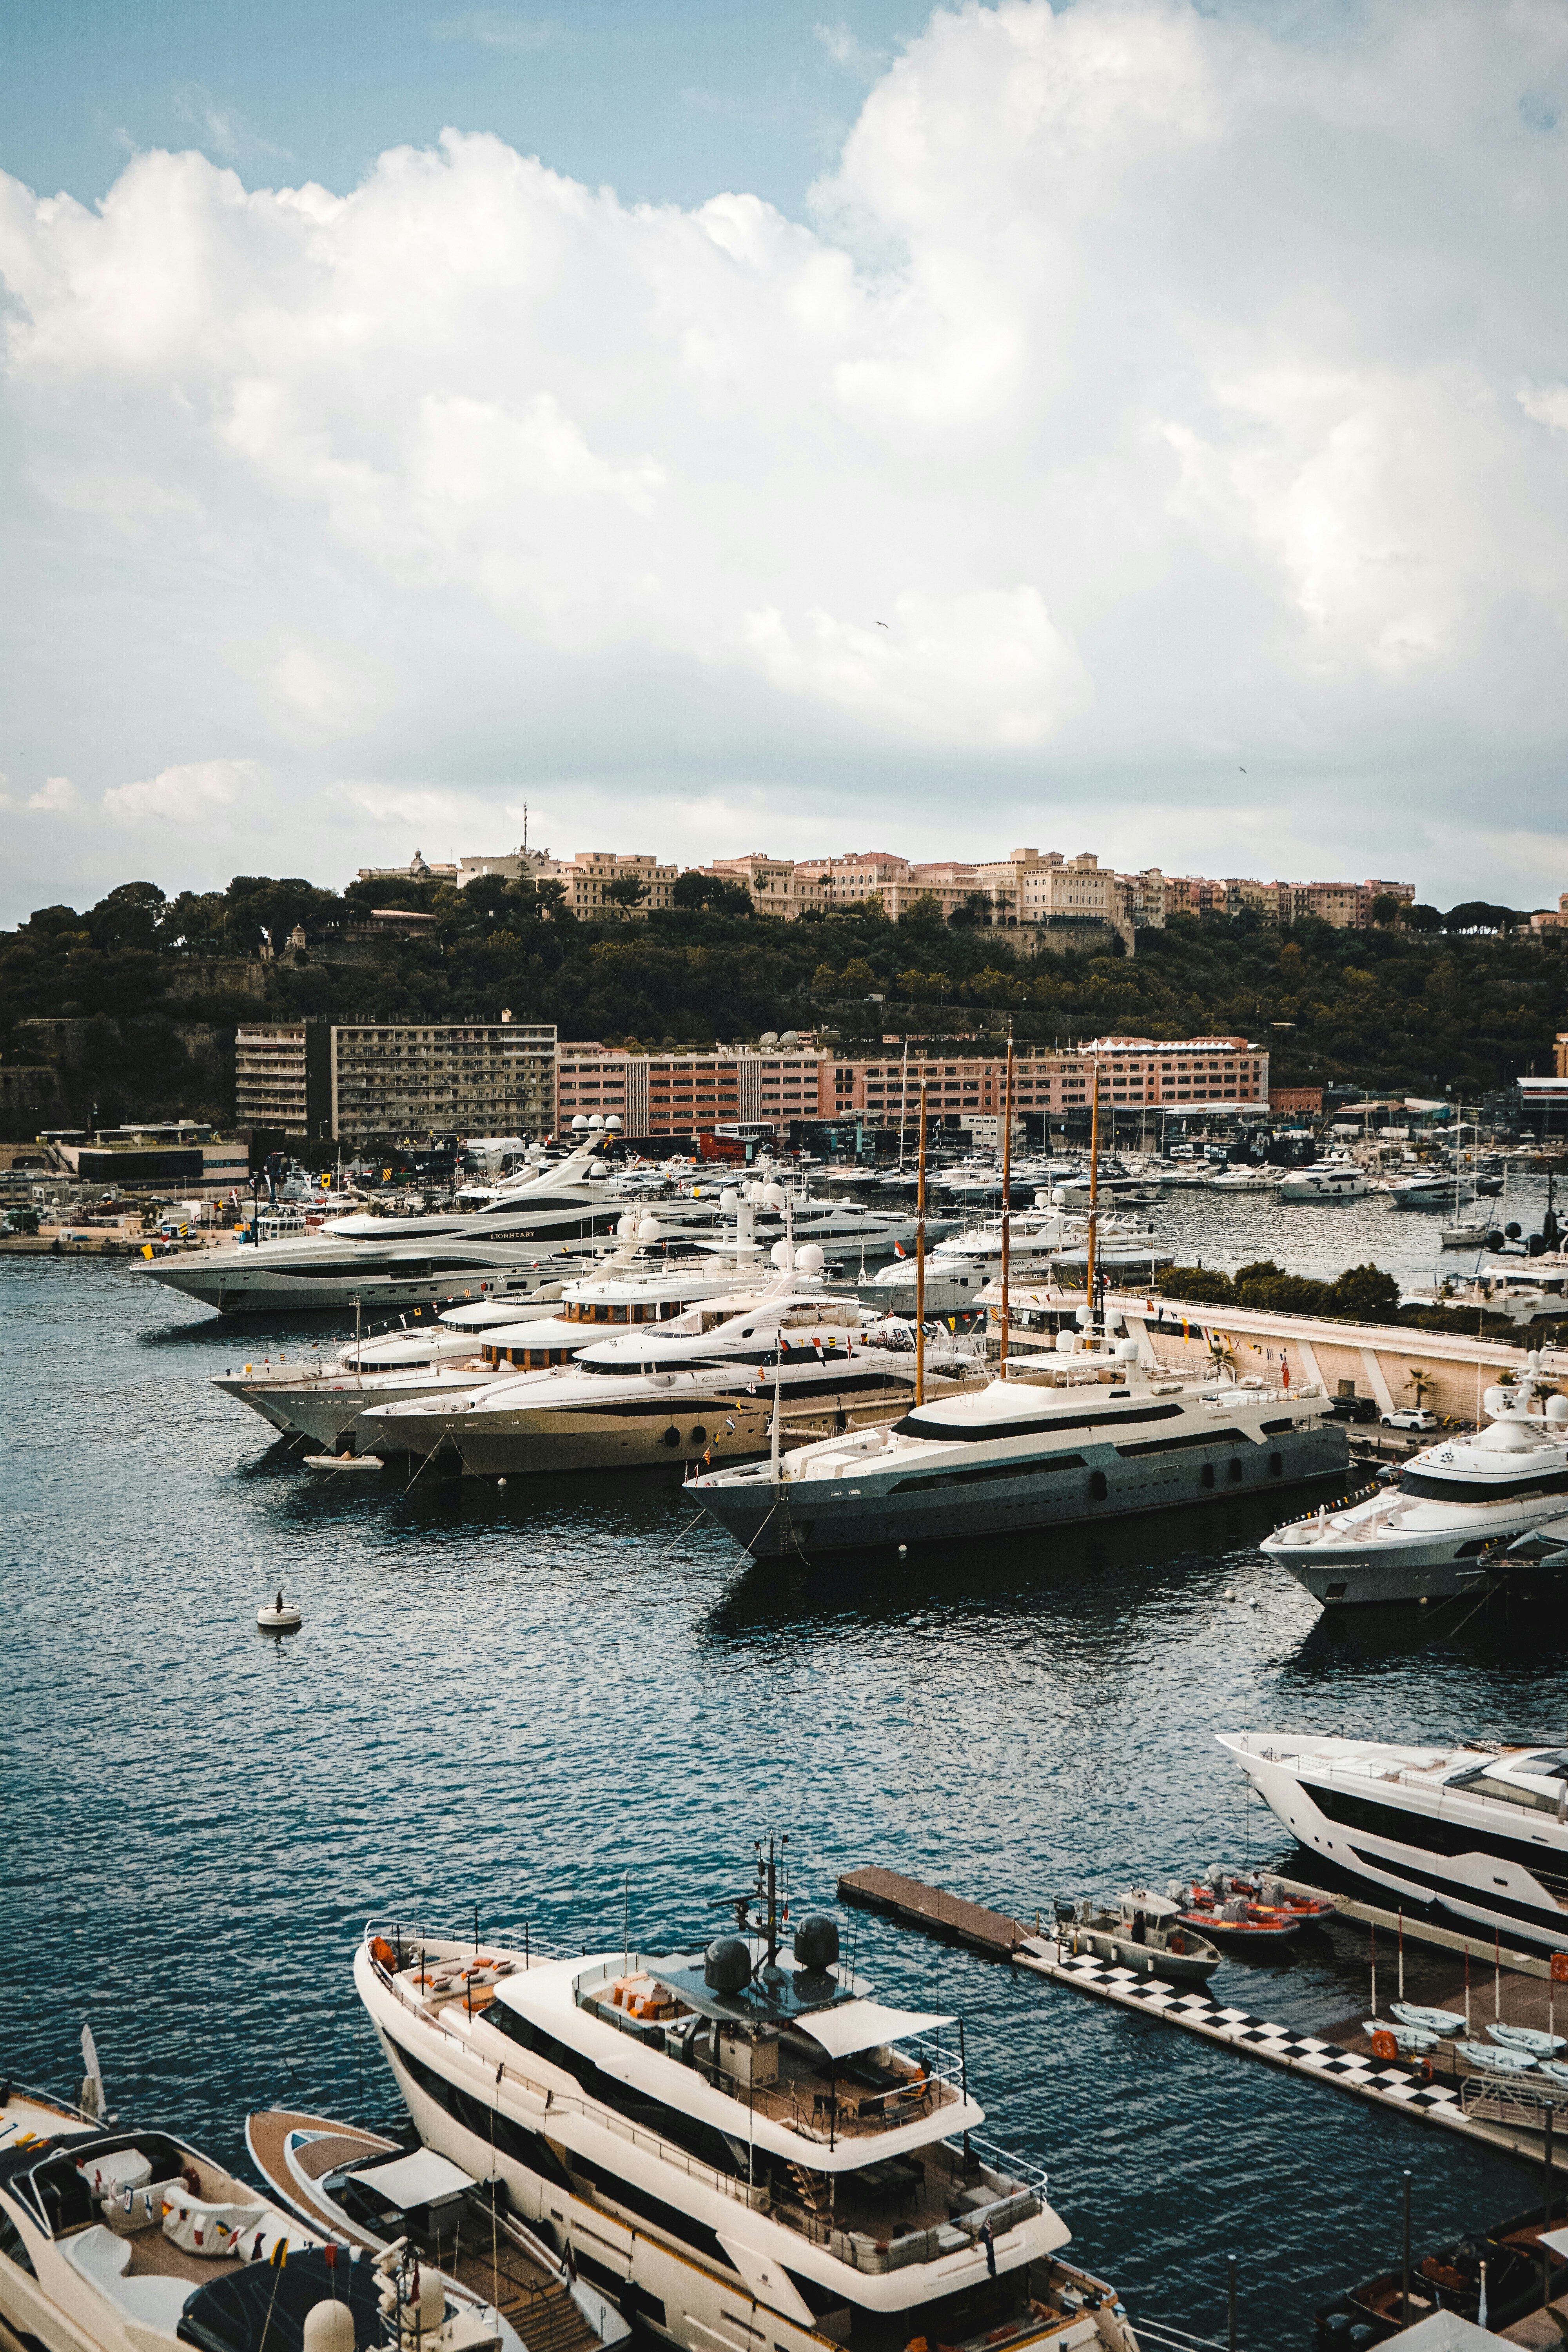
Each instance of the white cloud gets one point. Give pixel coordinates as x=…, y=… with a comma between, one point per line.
x=56, y=796
x=183, y=794
x=1183, y=393
x=498, y=29
x=847, y=51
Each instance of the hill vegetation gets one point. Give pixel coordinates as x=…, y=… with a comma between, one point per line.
x=152, y=984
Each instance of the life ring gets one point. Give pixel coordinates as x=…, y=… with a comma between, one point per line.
x=383, y=1955
x=1383, y=2045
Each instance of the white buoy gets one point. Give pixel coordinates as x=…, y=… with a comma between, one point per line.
x=1230, y=1592
x=902, y=1549
x=501, y=1481
x=1252, y=1600
x=280, y=1616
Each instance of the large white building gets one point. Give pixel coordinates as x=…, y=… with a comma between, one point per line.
x=462, y=1077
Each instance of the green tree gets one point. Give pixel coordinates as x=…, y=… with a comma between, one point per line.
x=857, y=979
x=625, y=893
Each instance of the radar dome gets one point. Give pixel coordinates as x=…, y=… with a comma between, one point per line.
x=650, y=1230
x=727, y=1965
x=809, y=1257
x=816, y=1942
x=1557, y=1410
x=330, y=2326
x=769, y=1038
x=579, y=1125
x=1494, y=1401
x=773, y=1195
x=729, y=1200
x=598, y=1167
x=613, y=1120
x=782, y=1255
x=1127, y=1351
x=626, y=1228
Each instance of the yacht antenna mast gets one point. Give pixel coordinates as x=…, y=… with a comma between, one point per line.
x=1093, y=1191
x=903, y=1102
x=920, y=1258
x=768, y=1887
x=1006, y=1194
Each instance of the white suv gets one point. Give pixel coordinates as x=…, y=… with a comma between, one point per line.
x=1411, y=1416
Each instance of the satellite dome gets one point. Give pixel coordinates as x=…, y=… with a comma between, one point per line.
x=816, y=1942
x=613, y=1120
x=626, y=1228
x=579, y=1125
x=729, y=1200
x=809, y=1257
x=598, y=1167
x=769, y=1038
x=773, y=1195
x=727, y=1965
x=782, y=1255
x=595, y=1119
x=650, y=1230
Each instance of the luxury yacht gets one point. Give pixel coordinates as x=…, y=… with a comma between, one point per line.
x=1477, y=1830
x=1433, y=1192
x=638, y=1286
x=133, y=2241
x=710, y=1382
x=1328, y=1183
x=1452, y=1506
x=738, y=2142
x=1092, y=1435
x=386, y=1262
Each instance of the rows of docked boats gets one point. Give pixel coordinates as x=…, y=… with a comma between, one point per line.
x=726, y=2144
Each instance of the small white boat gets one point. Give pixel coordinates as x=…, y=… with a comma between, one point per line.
x=1464, y=1236
x=1429, y=2021
x=1144, y=1932
x=1494, y=2061
x=342, y=1462
x=1528, y=2037
x=280, y=1616
x=1411, y=2040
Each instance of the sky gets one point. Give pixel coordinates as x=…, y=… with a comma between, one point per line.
x=1128, y=427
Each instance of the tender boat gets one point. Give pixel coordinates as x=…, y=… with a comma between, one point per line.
x=1433, y=1531
x=1214, y=1910
x=1450, y=2280
x=1427, y=2020
x=1478, y=1831
x=1528, y=2038
x=376, y=2192
x=738, y=2141
x=134, y=2241
x=1492, y=2060
x=1410, y=2040
x=1143, y=1932
x=1311, y=1909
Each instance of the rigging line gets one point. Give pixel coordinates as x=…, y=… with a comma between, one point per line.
x=430, y=1457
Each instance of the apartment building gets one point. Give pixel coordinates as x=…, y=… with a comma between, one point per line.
x=777, y=884
x=459, y=1078
x=587, y=875
x=283, y=1077
x=1345, y=905
x=677, y=1095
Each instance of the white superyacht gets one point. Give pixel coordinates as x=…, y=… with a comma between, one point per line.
x=1093, y=1433
x=386, y=1262
x=715, y=1381
x=738, y=2142
x=1451, y=1509
x=1476, y=1829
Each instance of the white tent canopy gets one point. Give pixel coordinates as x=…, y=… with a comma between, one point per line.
x=865, y=2025
x=417, y=2180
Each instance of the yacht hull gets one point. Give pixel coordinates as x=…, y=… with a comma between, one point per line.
x=240, y=1281
x=1101, y=1484
x=725, y=1423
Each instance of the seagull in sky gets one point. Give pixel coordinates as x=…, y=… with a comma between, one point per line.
x=882, y=625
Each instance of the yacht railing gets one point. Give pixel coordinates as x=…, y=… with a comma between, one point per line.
x=1019, y=2187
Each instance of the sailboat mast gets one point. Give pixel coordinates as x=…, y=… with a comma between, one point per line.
x=1006, y=1194
x=920, y=1258
x=1093, y=1188
x=903, y=1102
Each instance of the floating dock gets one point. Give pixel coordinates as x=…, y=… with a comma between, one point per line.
x=1509, y=2115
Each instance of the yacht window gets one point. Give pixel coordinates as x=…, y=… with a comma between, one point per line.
x=970, y=1432
x=1479, y=1783
x=1429, y=1488
x=13, y=2245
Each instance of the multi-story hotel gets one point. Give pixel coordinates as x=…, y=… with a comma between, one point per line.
x=1345, y=905
x=680, y=1094
x=459, y=1078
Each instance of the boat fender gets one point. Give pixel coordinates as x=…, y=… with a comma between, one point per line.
x=383, y=1955
x=1097, y=1486
x=671, y=1436
x=193, y=2180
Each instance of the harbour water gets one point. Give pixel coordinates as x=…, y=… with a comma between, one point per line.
x=560, y=1698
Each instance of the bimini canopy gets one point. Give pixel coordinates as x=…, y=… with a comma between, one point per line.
x=422, y=2178
x=865, y=2025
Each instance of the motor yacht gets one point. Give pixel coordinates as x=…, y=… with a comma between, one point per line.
x=1323, y=1184
x=372, y=2193
x=738, y=2141
x=1093, y=1433
x=1476, y=1829
x=547, y=1207
x=639, y=1282
x=1430, y=1192
x=115, y=2241
x=1451, y=1507
x=716, y=1382
x=1246, y=1180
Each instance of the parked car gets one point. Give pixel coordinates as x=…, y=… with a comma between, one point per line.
x=1352, y=1408
x=1411, y=1416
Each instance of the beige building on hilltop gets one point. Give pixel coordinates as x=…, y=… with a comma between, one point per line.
x=1347, y=905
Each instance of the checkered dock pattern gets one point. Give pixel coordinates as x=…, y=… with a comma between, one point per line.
x=1372, y=2078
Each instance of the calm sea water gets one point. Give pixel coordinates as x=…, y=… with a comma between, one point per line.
x=556, y=1700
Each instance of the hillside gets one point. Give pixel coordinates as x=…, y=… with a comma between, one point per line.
x=145, y=989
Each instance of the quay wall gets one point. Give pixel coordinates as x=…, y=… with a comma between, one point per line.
x=1379, y=1358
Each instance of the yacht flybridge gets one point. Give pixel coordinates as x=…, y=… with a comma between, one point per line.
x=1092, y=1434
x=1452, y=1508
x=1477, y=1831
x=739, y=2142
